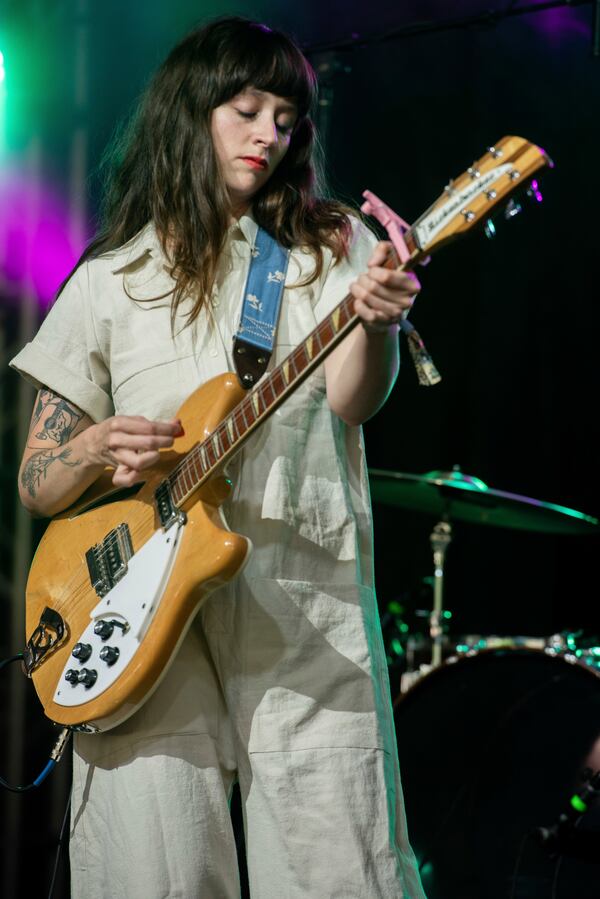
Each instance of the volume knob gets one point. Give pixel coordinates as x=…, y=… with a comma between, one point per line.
x=109, y=654
x=82, y=651
x=72, y=676
x=87, y=677
x=104, y=629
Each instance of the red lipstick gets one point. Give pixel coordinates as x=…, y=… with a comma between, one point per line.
x=255, y=162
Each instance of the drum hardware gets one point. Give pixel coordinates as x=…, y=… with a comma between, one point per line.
x=440, y=539
x=562, y=838
x=518, y=719
x=394, y=629
x=454, y=496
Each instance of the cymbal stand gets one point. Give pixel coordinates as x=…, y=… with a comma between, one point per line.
x=440, y=539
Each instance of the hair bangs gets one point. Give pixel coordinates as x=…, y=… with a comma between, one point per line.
x=268, y=61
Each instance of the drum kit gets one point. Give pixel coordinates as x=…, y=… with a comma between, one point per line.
x=498, y=736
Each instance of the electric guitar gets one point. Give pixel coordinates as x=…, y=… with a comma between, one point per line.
x=116, y=582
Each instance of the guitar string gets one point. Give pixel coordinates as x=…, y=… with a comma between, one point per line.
x=194, y=455
x=238, y=417
x=79, y=585
x=296, y=363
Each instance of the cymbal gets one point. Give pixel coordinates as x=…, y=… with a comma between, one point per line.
x=457, y=496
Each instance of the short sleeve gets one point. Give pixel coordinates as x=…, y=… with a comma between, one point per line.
x=338, y=278
x=65, y=355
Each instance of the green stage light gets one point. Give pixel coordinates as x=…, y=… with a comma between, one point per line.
x=2, y=104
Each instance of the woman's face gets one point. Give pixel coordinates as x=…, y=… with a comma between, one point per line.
x=251, y=134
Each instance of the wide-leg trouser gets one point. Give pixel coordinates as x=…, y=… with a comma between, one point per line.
x=282, y=686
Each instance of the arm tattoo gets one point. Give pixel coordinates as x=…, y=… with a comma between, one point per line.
x=37, y=465
x=64, y=418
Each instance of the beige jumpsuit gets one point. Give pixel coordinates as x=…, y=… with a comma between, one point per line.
x=281, y=681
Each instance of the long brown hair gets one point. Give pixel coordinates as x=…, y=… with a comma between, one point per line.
x=165, y=169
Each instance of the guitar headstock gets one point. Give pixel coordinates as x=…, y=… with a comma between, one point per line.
x=472, y=198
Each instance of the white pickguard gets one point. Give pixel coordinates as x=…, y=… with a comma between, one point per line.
x=133, y=601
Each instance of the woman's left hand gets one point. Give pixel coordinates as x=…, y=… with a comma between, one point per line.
x=382, y=295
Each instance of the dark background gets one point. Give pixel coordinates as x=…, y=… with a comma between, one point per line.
x=512, y=323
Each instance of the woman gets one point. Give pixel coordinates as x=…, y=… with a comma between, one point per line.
x=281, y=681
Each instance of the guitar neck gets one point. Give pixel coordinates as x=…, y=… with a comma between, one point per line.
x=204, y=459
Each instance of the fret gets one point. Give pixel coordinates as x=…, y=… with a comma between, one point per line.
x=210, y=453
x=174, y=486
x=317, y=335
x=410, y=241
x=230, y=429
x=277, y=382
x=204, y=457
x=242, y=412
x=223, y=437
x=196, y=469
x=188, y=482
x=327, y=331
x=261, y=398
x=268, y=384
x=301, y=358
x=292, y=363
x=247, y=412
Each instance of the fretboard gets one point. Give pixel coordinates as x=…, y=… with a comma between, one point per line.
x=205, y=458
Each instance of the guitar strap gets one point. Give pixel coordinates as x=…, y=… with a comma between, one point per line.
x=263, y=292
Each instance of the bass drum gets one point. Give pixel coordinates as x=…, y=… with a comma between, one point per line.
x=492, y=746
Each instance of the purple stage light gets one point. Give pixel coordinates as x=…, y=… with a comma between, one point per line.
x=560, y=23
x=36, y=249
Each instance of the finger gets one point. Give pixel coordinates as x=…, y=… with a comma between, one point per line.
x=380, y=253
x=390, y=302
x=137, y=424
x=126, y=477
x=135, y=461
x=372, y=316
x=138, y=442
x=394, y=279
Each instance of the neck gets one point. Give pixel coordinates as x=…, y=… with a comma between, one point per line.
x=239, y=209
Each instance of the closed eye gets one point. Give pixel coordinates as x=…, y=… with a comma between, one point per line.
x=283, y=128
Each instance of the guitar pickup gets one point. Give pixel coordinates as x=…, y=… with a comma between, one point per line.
x=107, y=561
x=168, y=512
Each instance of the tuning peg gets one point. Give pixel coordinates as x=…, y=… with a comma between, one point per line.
x=511, y=209
x=533, y=192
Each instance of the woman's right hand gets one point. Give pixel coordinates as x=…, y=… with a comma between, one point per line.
x=129, y=443
x=66, y=451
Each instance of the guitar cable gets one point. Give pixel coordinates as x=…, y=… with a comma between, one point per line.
x=55, y=755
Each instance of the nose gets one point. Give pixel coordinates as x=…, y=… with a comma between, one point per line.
x=266, y=130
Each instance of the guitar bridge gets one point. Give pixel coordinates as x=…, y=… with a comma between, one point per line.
x=107, y=561
x=45, y=637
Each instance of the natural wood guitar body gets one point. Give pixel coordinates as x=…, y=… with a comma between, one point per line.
x=209, y=555
x=217, y=420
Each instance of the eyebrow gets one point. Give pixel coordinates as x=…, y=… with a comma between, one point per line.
x=288, y=104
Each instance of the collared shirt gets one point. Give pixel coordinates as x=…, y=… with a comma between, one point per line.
x=107, y=346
